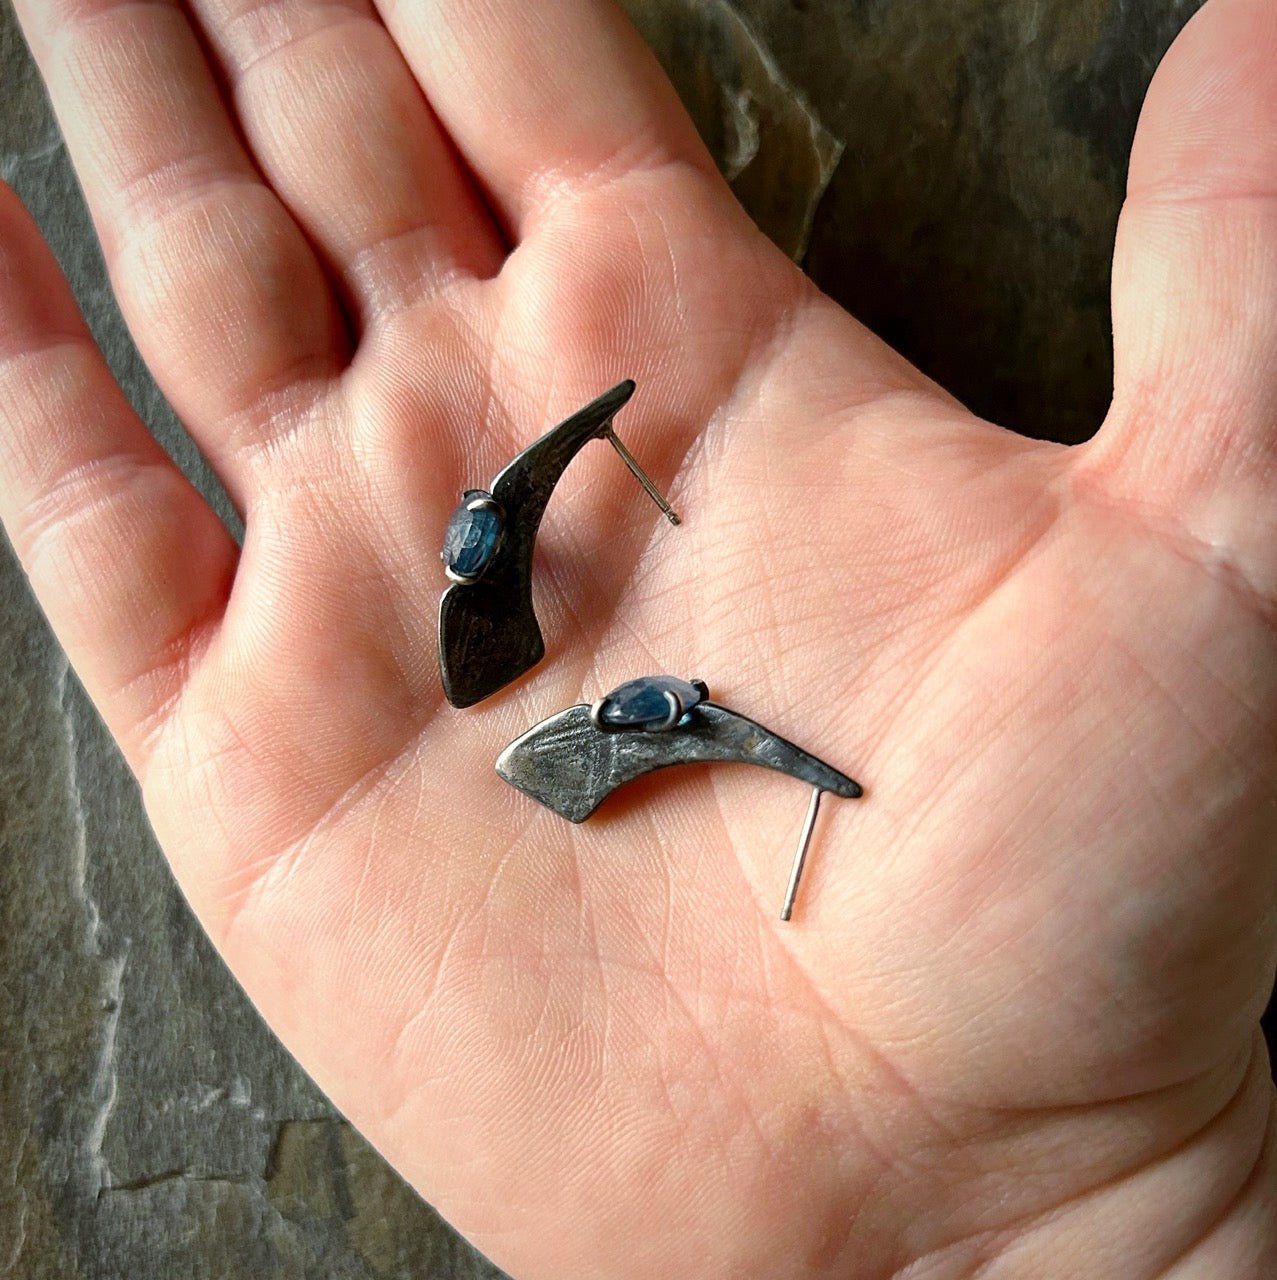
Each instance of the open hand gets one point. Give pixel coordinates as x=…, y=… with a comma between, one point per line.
x=371, y=252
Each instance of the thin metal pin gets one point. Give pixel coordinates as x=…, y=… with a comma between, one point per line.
x=639, y=474
x=804, y=843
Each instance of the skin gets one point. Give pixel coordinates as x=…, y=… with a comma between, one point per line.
x=369, y=253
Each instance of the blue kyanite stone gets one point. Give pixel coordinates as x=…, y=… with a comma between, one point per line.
x=472, y=539
x=641, y=703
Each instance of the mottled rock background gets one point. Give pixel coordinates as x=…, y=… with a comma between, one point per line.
x=949, y=169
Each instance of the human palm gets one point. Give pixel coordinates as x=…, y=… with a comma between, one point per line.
x=1017, y=1007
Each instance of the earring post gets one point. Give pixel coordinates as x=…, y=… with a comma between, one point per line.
x=800, y=858
x=640, y=475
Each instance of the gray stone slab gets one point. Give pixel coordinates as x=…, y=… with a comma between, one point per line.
x=951, y=169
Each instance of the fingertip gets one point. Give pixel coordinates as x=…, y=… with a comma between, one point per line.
x=1209, y=124
x=9, y=202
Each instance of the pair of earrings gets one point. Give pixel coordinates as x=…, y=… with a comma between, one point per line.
x=489, y=636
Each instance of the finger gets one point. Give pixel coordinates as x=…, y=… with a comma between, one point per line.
x=344, y=135
x=129, y=563
x=225, y=298
x=544, y=98
x=1194, y=420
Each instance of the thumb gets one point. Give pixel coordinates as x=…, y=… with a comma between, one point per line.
x=1192, y=434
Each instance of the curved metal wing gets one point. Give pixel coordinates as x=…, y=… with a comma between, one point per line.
x=488, y=630
x=568, y=765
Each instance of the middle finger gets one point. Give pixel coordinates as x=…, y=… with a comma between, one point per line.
x=345, y=136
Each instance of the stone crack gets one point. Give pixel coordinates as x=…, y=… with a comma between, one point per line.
x=104, y=1086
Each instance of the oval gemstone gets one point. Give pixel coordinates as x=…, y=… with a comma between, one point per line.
x=642, y=704
x=473, y=536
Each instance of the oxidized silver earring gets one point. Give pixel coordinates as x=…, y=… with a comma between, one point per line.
x=574, y=760
x=488, y=630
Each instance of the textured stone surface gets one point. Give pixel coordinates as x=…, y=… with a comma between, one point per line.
x=951, y=169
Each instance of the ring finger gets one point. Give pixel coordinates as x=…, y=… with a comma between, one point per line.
x=344, y=134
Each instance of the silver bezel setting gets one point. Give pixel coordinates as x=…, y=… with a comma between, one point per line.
x=676, y=712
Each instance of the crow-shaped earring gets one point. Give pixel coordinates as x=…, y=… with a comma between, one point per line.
x=488, y=630
x=574, y=760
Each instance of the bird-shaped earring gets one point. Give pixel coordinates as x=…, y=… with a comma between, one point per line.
x=574, y=760
x=488, y=629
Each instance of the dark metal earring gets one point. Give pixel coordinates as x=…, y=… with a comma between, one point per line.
x=488, y=630
x=574, y=760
